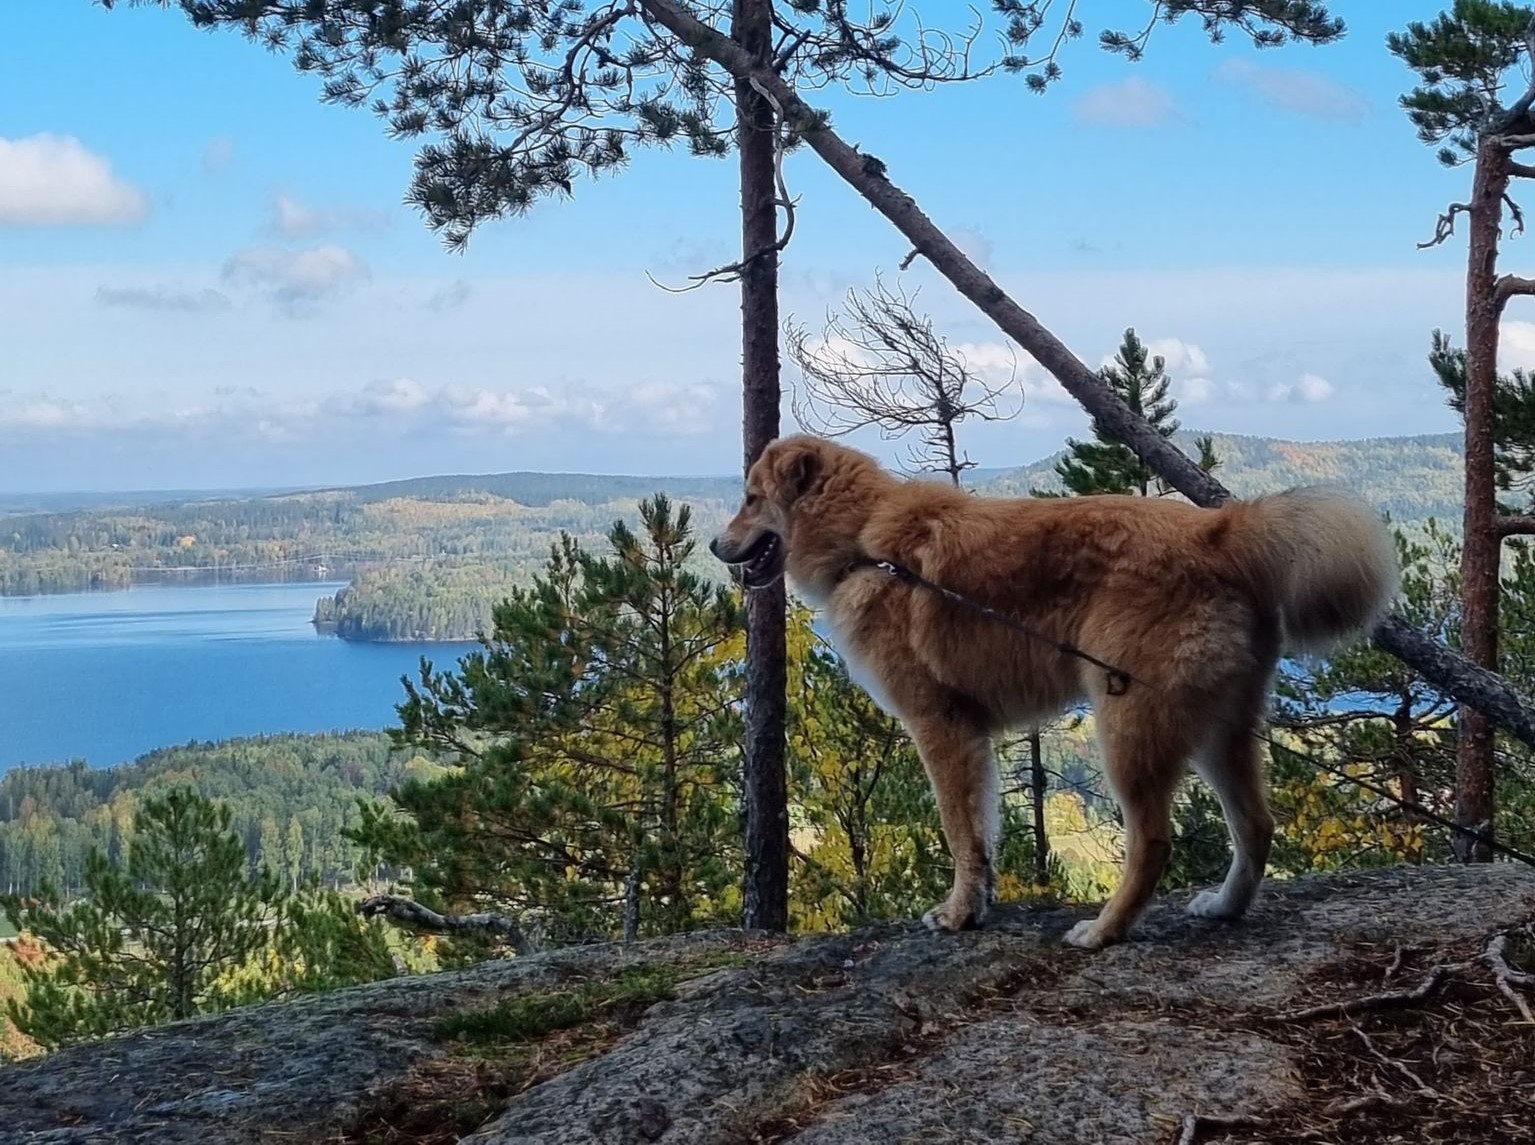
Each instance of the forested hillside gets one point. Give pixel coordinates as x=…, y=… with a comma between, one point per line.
x=291, y=797
x=1411, y=478
x=509, y=519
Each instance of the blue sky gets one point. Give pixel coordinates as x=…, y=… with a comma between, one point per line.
x=208, y=277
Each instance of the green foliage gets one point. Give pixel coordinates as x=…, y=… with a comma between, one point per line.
x=1464, y=58
x=289, y=798
x=181, y=928
x=1367, y=713
x=152, y=941
x=1513, y=411
x=516, y=101
x=864, y=828
x=597, y=733
x=1108, y=466
x=492, y=533
x=426, y=601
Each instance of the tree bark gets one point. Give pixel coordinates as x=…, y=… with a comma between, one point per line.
x=1456, y=675
x=1037, y=787
x=763, y=782
x=1480, y=537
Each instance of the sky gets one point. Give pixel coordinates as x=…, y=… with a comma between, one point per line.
x=209, y=277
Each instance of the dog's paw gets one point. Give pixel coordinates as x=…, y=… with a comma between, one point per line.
x=1214, y=905
x=947, y=918
x=1088, y=935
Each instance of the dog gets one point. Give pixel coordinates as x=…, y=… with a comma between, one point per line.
x=1193, y=606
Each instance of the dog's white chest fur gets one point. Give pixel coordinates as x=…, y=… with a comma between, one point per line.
x=860, y=673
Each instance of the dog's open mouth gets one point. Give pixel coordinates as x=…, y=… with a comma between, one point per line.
x=762, y=564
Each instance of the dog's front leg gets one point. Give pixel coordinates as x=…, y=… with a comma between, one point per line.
x=963, y=773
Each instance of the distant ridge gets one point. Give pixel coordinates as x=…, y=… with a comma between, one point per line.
x=539, y=489
x=1411, y=477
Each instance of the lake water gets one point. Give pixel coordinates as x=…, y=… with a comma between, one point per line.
x=105, y=677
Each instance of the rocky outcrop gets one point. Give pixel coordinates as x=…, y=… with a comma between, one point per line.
x=1354, y=1007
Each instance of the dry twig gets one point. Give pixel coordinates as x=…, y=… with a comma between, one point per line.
x=1382, y=1001
x=1506, y=977
x=1423, y=1087
x=1194, y=1122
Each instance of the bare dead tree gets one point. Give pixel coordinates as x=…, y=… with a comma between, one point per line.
x=880, y=364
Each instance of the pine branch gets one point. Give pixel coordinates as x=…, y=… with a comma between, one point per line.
x=1510, y=286
x=1445, y=227
x=417, y=917
x=1516, y=525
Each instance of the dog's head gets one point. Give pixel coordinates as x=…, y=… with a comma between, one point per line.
x=758, y=537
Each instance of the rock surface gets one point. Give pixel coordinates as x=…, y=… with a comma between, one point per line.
x=889, y=1034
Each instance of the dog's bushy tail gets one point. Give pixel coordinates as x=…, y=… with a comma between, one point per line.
x=1323, y=559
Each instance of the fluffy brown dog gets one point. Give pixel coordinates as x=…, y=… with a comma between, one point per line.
x=1195, y=604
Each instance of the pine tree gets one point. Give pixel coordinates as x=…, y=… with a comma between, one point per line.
x=1106, y=465
x=1466, y=59
x=151, y=942
x=182, y=928
x=598, y=733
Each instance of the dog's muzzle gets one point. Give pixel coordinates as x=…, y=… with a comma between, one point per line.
x=761, y=562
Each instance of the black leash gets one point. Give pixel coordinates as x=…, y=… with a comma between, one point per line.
x=1119, y=679
x=1119, y=682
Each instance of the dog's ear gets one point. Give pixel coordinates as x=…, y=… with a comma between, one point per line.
x=796, y=468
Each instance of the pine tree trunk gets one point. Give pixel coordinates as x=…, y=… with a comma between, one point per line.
x=764, y=784
x=1480, y=540
x=1037, y=787
x=632, y=901
x=672, y=879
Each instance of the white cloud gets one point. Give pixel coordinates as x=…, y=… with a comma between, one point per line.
x=295, y=220
x=1133, y=102
x=674, y=407
x=1308, y=389
x=398, y=408
x=1293, y=89
x=295, y=280
x=53, y=180
x=1178, y=356
x=1516, y=346
x=1195, y=391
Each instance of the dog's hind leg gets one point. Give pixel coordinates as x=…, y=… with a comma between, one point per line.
x=1144, y=760
x=963, y=772
x=1233, y=767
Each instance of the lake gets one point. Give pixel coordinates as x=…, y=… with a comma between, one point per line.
x=105, y=677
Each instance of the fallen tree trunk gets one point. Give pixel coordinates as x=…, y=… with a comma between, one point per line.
x=1446, y=669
